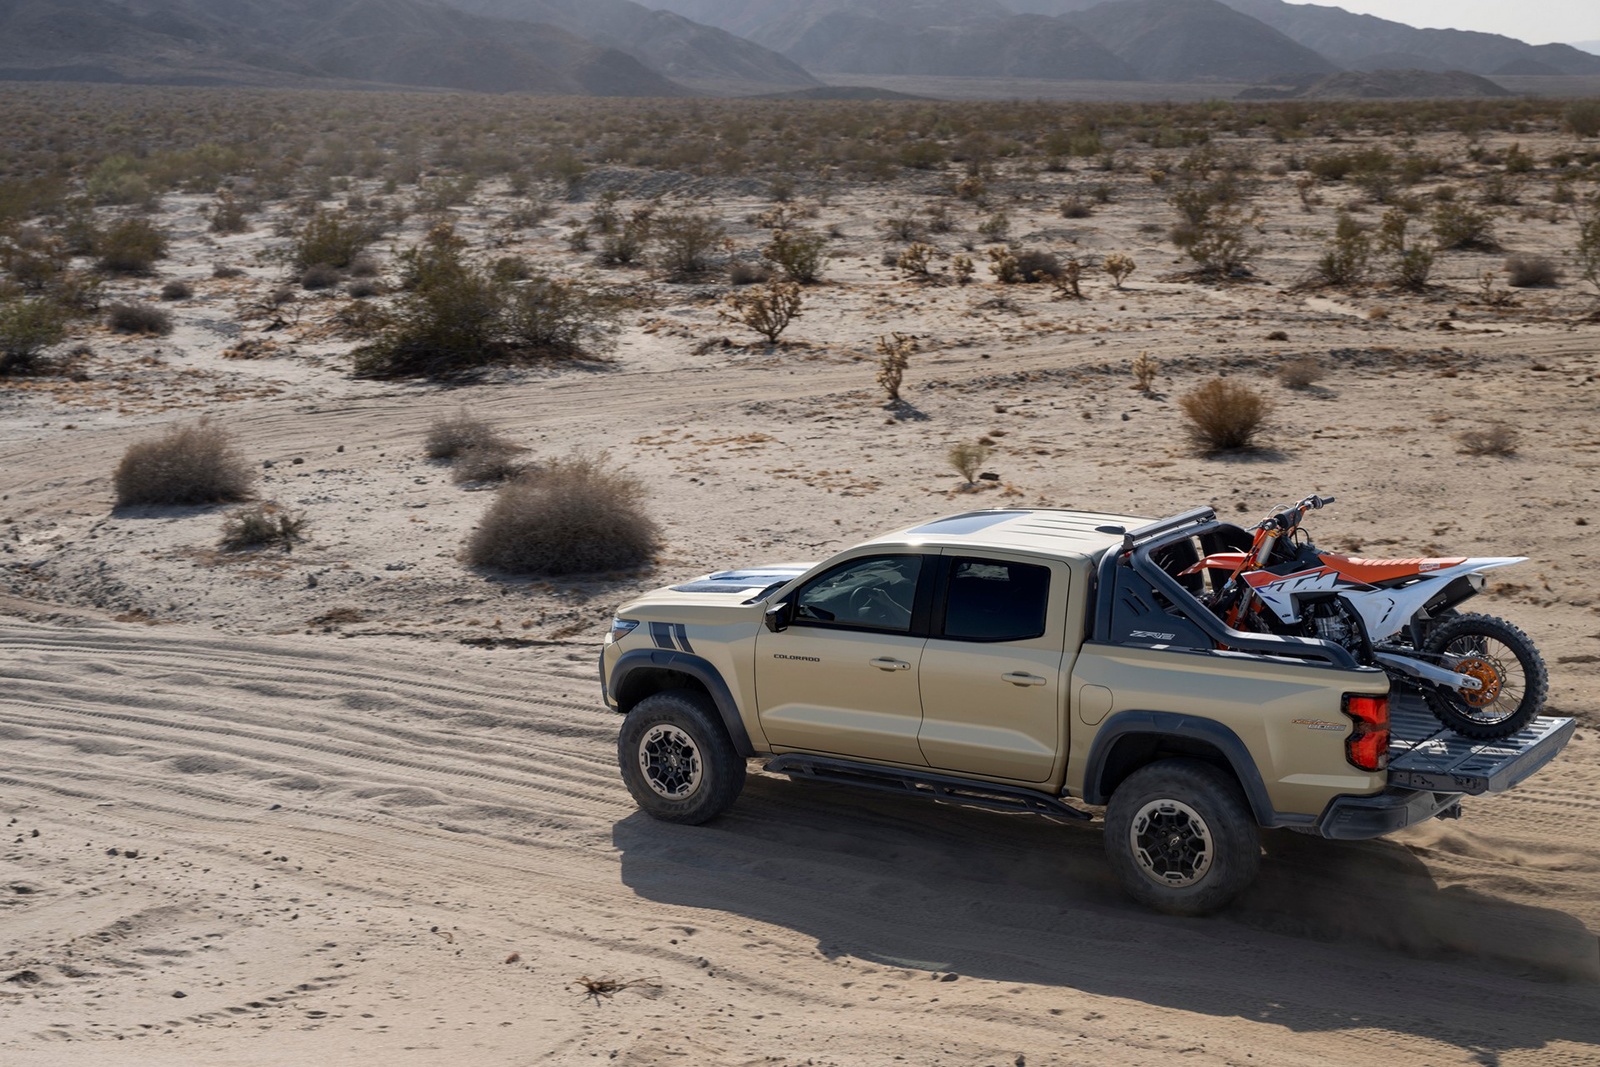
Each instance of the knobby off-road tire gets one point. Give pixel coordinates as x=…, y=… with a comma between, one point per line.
x=1504, y=659
x=676, y=758
x=1181, y=837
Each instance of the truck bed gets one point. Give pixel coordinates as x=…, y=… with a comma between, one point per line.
x=1425, y=755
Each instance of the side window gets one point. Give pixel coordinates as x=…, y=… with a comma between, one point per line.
x=875, y=593
x=992, y=600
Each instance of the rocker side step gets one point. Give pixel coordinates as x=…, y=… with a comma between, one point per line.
x=921, y=784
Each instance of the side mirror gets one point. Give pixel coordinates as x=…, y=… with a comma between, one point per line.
x=777, y=617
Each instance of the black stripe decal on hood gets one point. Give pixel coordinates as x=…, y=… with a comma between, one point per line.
x=661, y=634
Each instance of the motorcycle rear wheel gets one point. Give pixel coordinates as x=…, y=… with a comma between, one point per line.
x=1502, y=657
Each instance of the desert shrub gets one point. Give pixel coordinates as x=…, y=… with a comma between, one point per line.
x=177, y=290
x=1119, y=267
x=1035, y=265
x=1075, y=207
x=490, y=462
x=967, y=458
x=320, y=276
x=1144, y=370
x=228, y=215
x=1224, y=415
x=915, y=259
x=189, y=464
x=747, y=272
x=362, y=288
x=449, y=321
x=1065, y=281
x=902, y=227
x=961, y=268
x=1409, y=263
x=363, y=267
x=1587, y=251
x=33, y=259
x=1493, y=439
x=939, y=219
x=330, y=238
x=574, y=516
x=767, y=309
x=1526, y=271
x=1344, y=261
x=1461, y=226
x=138, y=318
x=117, y=180
x=451, y=435
x=550, y=317
x=1302, y=372
x=262, y=525
x=1501, y=189
x=1003, y=265
x=1219, y=241
x=894, y=356
x=684, y=243
x=1583, y=117
x=222, y=270
x=27, y=328
x=130, y=246
x=626, y=245
x=995, y=227
x=799, y=252
x=511, y=269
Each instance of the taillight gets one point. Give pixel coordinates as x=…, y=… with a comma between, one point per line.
x=1367, y=747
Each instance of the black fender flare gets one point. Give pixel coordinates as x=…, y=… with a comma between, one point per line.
x=701, y=671
x=1189, y=727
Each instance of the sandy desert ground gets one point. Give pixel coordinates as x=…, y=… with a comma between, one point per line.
x=357, y=803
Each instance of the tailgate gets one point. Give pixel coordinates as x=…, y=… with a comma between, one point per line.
x=1425, y=755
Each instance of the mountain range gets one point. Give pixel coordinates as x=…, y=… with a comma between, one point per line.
x=726, y=47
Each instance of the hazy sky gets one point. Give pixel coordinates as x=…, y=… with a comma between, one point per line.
x=1534, y=21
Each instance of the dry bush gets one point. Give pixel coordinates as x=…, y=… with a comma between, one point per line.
x=228, y=215
x=1583, y=117
x=1302, y=372
x=1003, y=265
x=189, y=464
x=574, y=516
x=967, y=457
x=961, y=267
x=685, y=242
x=766, y=309
x=1493, y=439
x=138, y=318
x=1119, y=267
x=1075, y=207
x=1144, y=370
x=222, y=270
x=27, y=328
x=894, y=355
x=130, y=246
x=1036, y=266
x=320, y=276
x=1525, y=271
x=1459, y=226
x=1224, y=416
x=1066, y=280
x=799, y=252
x=449, y=436
x=177, y=290
x=915, y=259
x=744, y=272
x=493, y=461
x=262, y=525
x=332, y=239
x=364, y=288
x=1344, y=261
x=1587, y=251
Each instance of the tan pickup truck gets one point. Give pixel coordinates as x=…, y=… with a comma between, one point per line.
x=1037, y=660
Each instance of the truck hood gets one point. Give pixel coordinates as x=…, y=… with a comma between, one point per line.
x=720, y=589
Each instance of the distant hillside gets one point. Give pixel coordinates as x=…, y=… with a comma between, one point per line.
x=668, y=43
x=1020, y=46
x=1190, y=40
x=1365, y=42
x=1386, y=85
x=778, y=24
x=286, y=42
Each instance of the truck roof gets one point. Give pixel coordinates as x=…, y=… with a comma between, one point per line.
x=1052, y=531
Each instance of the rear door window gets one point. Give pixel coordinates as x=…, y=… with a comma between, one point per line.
x=995, y=600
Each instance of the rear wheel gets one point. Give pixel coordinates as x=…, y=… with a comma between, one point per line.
x=676, y=758
x=1180, y=836
x=1512, y=680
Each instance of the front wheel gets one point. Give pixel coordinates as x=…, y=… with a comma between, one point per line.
x=1513, y=682
x=676, y=758
x=1180, y=836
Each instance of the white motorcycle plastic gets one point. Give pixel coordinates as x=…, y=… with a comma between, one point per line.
x=1479, y=674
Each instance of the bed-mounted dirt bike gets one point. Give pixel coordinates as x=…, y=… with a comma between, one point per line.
x=1479, y=674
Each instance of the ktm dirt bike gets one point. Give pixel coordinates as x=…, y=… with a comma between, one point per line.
x=1479, y=674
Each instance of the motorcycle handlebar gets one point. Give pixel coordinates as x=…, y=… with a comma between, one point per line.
x=1288, y=518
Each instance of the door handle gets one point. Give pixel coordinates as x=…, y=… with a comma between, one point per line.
x=1023, y=678
x=884, y=663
